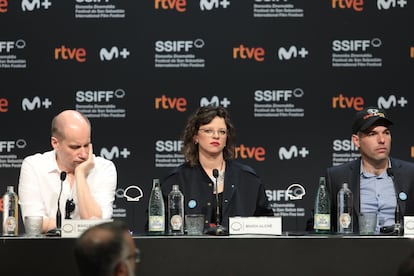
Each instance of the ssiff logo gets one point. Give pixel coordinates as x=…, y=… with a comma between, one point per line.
x=3, y=6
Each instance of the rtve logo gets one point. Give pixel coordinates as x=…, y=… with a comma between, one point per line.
x=292, y=52
x=213, y=4
x=4, y=105
x=215, y=101
x=29, y=5
x=277, y=95
x=243, y=52
x=257, y=153
x=115, y=152
x=343, y=145
x=8, y=146
x=412, y=52
x=3, y=6
x=391, y=102
x=90, y=96
x=113, y=53
x=355, y=45
x=35, y=103
x=164, y=102
x=169, y=145
x=356, y=5
x=292, y=152
x=388, y=4
x=178, y=5
x=65, y=53
x=10, y=45
x=177, y=45
x=343, y=102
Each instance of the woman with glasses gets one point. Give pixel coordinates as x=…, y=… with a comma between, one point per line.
x=213, y=183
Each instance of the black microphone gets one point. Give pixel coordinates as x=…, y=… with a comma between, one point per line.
x=397, y=225
x=58, y=213
x=216, y=175
x=218, y=229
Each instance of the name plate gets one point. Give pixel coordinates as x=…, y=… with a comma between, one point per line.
x=73, y=228
x=409, y=226
x=255, y=225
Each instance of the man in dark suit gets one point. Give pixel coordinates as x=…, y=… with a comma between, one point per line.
x=377, y=181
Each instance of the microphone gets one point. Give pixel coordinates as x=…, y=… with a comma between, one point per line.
x=58, y=213
x=397, y=226
x=57, y=231
x=218, y=229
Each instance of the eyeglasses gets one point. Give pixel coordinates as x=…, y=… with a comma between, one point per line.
x=136, y=256
x=69, y=208
x=211, y=132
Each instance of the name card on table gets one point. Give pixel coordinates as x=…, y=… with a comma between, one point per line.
x=409, y=226
x=255, y=225
x=73, y=228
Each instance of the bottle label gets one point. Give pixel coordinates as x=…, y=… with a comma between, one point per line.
x=156, y=223
x=176, y=222
x=10, y=224
x=345, y=220
x=322, y=222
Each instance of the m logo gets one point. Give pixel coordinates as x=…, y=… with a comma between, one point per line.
x=28, y=5
x=114, y=153
x=36, y=103
x=293, y=52
x=387, y=4
x=215, y=101
x=293, y=152
x=391, y=102
x=113, y=53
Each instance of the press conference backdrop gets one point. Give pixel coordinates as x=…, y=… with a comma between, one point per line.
x=291, y=72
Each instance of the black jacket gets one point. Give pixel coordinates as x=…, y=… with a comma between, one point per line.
x=350, y=173
x=243, y=195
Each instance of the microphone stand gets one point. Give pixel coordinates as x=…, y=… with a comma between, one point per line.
x=218, y=229
x=398, y=228
x=57, y=230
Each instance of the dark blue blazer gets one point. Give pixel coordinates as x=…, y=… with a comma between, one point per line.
x=350, y=173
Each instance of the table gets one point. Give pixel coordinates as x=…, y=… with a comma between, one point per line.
x=228, y=255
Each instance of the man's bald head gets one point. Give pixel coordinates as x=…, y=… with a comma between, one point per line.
x=66, y=120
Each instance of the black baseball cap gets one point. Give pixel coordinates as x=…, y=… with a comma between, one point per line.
x=368, y=117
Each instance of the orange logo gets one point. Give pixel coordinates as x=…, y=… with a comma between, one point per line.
x=357, y=5
x=249, y=53
x=343, y=102
x=79, y=54
x=3, y=6
x=179, y=5
x=412, y=52
x=164, y=102
x=1, y=205
x=4, y=104
x=257, y=153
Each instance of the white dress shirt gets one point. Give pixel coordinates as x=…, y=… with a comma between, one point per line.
x=40, y=184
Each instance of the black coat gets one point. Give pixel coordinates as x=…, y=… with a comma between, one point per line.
x=243, y=195
x=350, y=173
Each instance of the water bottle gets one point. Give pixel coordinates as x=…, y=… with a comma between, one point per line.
x=156, y=211
x=175, y=211
x=345, y=207
x=322, y=213
x=10, y=213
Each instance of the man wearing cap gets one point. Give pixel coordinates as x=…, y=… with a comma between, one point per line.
x=377, y=181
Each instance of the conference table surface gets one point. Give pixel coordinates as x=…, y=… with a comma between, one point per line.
x=223, y=255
